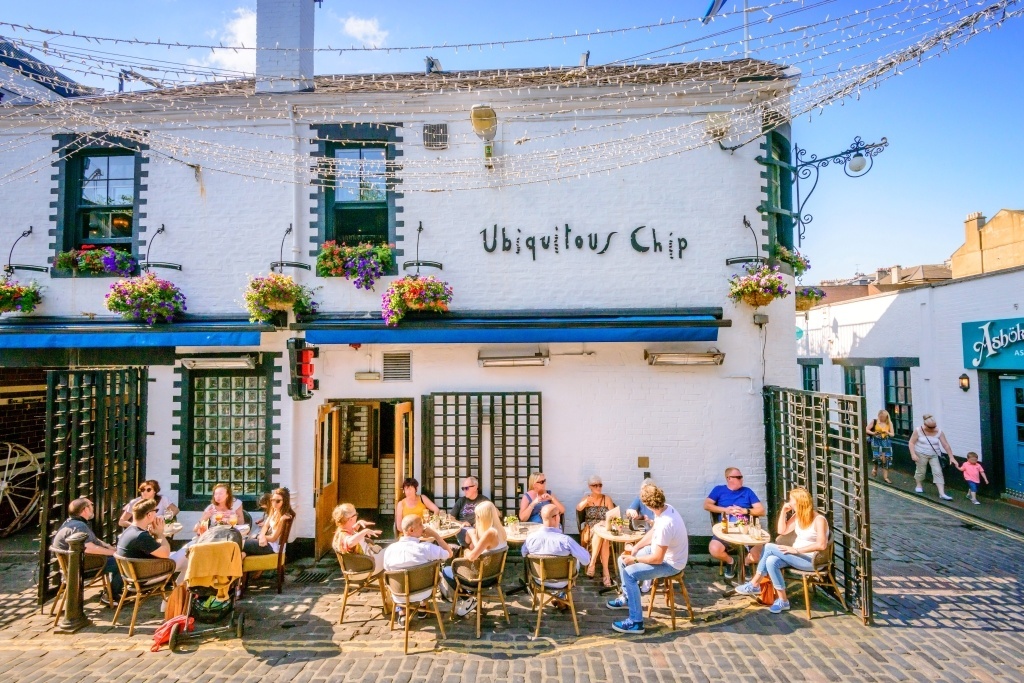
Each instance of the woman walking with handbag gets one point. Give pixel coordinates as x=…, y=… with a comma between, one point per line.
x=928, y=447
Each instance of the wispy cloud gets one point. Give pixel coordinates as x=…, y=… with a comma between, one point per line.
x=365, y=31
x=239, y=30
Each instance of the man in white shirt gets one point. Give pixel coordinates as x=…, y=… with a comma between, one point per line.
x=411, y=550
x=662, y=552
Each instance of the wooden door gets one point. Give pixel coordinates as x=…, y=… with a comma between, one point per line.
x=325, y=495
x=403, y=447
x=358, y=481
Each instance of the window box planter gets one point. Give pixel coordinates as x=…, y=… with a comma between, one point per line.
x=363, y=264
x=92, y=260
x=265, y=295
x=146, y=299
x=797, y=261
x=16, y=297
x=412, y=293
x=808, y=297
x=761, y=285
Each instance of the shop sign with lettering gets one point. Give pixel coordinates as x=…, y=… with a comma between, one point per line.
x=994, y=344
x=561, y=240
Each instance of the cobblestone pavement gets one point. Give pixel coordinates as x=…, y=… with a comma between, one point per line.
x=948, y=607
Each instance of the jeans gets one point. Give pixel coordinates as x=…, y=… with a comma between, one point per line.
x=635, y=574
x=922, y=467
x=773, y=561
x=116, y=582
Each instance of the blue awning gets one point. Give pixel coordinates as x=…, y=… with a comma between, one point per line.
x=43, y=333
x=534, y=327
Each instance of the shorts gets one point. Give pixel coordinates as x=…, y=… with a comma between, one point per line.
x=973, y=486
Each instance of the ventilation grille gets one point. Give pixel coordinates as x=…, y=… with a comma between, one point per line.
x=435, y=135
x=397, y=367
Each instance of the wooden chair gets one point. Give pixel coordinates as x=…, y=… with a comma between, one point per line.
x=473, y=577
x=549, y=575
x=272, y=562
x=410, y=586
x=93, y=572
x=142, y=580
x=669, y=583
x=357, y=570
x=732, y=550
x=823, y=574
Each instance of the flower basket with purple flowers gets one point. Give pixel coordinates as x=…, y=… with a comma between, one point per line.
x=808, y=297
x=800, y=263
x=92, y=259
x=146, y=298
x=277, y=292
x=364, y=263
x=15, y=297
x=759, y=287
x=412, y=293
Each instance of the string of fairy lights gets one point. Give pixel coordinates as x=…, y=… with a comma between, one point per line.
x=863, y=49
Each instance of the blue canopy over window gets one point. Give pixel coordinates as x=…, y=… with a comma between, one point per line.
x=52, y=333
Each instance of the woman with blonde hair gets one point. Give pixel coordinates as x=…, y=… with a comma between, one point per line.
x=353, y=535
x=799, y=515
x=487, y=534
x=880, y=434
x=536, y=498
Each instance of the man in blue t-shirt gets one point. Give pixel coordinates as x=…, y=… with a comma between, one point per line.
x=736, y=500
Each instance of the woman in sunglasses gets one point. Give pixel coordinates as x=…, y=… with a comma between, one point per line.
x=269, y=539
x=536, y=498
x=590, y=511
x=149, y=490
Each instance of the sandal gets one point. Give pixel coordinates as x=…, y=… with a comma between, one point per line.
x=607, y=581
x=888, y=480
x=590, y=572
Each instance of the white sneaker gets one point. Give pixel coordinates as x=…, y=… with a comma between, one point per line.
x=645, y=587
x=976, y=502
x=919, y=490
x=163, y=605
x=465, y=606
x=945, y=497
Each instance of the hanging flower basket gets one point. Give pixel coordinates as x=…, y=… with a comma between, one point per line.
x=91, y=259
x=759, y=287
x=364, y=263
x=800, y=263
x=412, y=293
x=15, y=297
x=808, y=297
x=277, y=292
x=146, y=298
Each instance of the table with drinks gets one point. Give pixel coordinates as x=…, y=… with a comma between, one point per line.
x=742, y=535
x=444, y=524
x=221, y=518
x=618, y=535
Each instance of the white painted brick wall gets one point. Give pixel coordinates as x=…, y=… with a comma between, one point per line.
x=284, y=24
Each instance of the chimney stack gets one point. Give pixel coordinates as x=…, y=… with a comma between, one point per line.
x=284, y=24
x=972, y=230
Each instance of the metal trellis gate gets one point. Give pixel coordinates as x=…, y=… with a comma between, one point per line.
x=465, y=432
x=95, y=447
x=817, y=441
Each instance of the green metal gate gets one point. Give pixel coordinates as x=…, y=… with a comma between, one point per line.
x=95, y=447
x=817, y=441
x=460, y=430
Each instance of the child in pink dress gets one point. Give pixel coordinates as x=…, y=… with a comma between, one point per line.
x=974, y=473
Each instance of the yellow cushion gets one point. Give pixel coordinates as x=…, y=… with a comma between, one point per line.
x=257, y=563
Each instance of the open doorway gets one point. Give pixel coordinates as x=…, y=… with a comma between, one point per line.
x=364, y=448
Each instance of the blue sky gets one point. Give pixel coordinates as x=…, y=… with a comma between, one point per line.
x=954, y=124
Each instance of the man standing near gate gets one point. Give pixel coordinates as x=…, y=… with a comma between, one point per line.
x=80, y=511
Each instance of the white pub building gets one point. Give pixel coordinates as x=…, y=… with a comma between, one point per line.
x=589, y=246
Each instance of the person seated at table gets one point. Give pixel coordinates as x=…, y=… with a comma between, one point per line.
x=593, y=507
x=80, y=511
x=536, y=498
x=486, y=534
x=797, y=514
x=408, y=552
x=149, y=490
x=145, y=538
x=413, y=502
x=637, y=509
x=354, y=535
x=734, y=499
x=464, y=509
x=223, y=504
x=268, y=541
x=662, y=552
x=550, y=540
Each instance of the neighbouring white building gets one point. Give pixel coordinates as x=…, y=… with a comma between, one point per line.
x=563, y=288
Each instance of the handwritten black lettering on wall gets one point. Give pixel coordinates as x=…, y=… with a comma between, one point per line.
x=642, y=240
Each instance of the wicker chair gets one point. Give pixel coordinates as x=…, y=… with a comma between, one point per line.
x=823, y=574
x=473, y=577
x=669, y=582
x=550, y=574
x=414, y=585
x=272, y=562
x=142, y=580
x=94, y=571
x=357, y=570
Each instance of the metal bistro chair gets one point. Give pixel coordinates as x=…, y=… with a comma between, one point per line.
x=823, y=574
x=473, y=577
x=93, y=571
x=272, y=562
x=142, y=579
x=414, y=585
x=357, y=570
x=549, y=575
x=669, y=583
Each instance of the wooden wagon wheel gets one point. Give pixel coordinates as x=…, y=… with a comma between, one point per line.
x=21, y=475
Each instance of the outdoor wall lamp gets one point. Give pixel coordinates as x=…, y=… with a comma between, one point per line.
x=965, y=382
x=247, y=362
x=712, y=357
x=485, y=125
x=536, y=359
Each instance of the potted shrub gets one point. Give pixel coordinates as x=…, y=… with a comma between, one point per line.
x=146, y=298
x=761, y=285
x=277, y=292
x=92, y=259
x=412, y=293
x=800, y=263
x=808, y=297
x=18, y=297
x=364, y=263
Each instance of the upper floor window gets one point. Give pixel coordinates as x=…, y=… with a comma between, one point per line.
x=102, y=197
x=811, y=378
x=358, y=197
x=777, y=206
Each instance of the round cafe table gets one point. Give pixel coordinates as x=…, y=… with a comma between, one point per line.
x=515, y=537
x=448, y=531
x=741, y=541
x=617, y=543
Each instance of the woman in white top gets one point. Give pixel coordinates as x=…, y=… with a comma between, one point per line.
x=799, y=515
x=224, y=504
x=271, y=535
x=925, y=445
x=487, y=534
x=149, y=490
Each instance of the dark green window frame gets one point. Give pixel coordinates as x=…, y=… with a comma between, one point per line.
x=899, y=401
x=853, y=380
x=79, y=210
x=346, y=215
x=777, y=206
x=811, y=378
